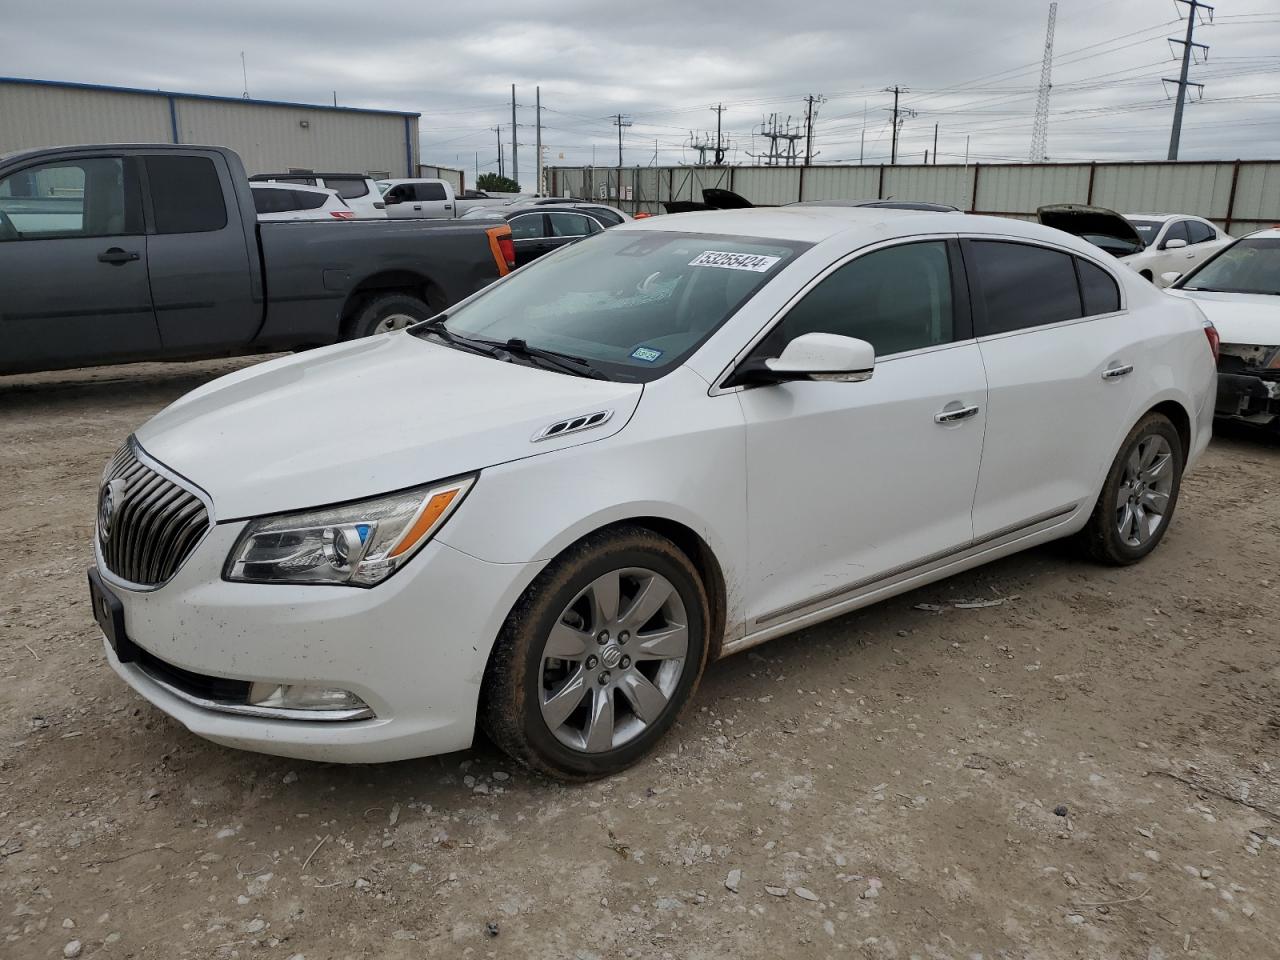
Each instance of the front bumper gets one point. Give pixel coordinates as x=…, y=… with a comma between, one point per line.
x=413, y=648
x=1247, y=397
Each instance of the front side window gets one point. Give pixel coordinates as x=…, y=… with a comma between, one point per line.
x=897, y=299
x=95, y=197
x=186, y=195
x=1247, y=266
x=1176, y=231
x=1198, y=232
x=633, y=303
x=1017, y=285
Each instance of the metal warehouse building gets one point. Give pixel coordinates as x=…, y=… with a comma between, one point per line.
x=271, y=136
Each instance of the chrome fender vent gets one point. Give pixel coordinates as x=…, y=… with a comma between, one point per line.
x=586, y=421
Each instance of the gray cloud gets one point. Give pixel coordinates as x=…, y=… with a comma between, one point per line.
x=971, y=68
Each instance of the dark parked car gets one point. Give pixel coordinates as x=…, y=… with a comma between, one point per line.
x=116, y=253
x=537, y=230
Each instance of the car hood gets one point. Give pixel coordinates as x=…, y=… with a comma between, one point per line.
x=1084, y=221
x=1249, y=318
x=367, y=417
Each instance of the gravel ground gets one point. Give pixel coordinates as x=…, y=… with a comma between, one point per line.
x=1088, y=769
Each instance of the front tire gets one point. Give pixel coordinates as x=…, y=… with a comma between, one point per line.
x=599, y=657
x=1138, y=498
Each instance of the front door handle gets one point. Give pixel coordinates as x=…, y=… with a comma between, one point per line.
x=1117, y=371
x=117, y=256
x=953, y=414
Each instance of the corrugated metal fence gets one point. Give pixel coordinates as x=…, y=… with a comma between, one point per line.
x=1239, y=195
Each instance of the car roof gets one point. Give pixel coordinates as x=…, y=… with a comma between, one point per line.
x=311, y=176
x=813, y=224
x=1162, y=217
x=276, y=185
x=1269, y=233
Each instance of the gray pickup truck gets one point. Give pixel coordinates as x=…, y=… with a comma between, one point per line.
x=117, y=253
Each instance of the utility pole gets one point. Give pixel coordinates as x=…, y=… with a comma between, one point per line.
x=620, y=121
x=899, y=116
x=1188, y=45
x=501, y=172
x=515, y=161
x=537, y=100
x=811, y=103
x=719, y=109
x=935, y=144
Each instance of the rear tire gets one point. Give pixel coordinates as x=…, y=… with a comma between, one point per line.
x=381, y=313
x=600, y=656
x=1138, y=498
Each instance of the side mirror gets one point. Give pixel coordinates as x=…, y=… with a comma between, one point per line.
x=388, y=198
x=814, y=356
x=1170, y=277
x=1175, y=244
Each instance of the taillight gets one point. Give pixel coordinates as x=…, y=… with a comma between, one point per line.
x=502, y=248
x=342, y=214
x=1211, y=332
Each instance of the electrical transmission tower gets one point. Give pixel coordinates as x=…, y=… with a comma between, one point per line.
x=1188, y=48
x=811, y=104
x=1040, y=130
x=900, y=116
x=784, y=139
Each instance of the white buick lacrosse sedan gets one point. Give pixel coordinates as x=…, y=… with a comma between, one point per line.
x=546, y=511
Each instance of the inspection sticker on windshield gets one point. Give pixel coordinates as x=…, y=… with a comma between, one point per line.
x=756, y=263
x=647, y=354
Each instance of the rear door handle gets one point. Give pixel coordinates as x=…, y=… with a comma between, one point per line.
x=417, y=206
x=952, y=414
x=117, y=256
x=1118, y=371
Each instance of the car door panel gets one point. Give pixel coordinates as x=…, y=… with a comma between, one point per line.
x=75, y=266
x=200, y=263
x=850, y=482
x=826, y=520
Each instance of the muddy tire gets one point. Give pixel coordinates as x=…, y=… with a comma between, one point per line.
x=384, y=312
x=599, y=657
x=1137, y=501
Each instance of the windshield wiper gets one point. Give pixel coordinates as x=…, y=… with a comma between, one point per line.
x=437, y=327
x=566, y=363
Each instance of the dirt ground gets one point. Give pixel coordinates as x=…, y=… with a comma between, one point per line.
x=881, y=786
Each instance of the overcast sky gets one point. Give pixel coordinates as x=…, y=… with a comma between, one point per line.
x=972, y=69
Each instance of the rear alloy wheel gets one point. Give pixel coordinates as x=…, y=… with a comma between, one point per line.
x=386, y=312
x=1140, y=493
x=599, y=657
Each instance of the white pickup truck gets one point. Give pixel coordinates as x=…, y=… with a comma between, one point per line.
x=430, y=199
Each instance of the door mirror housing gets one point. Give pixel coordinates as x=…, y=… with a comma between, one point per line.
x=391, y=197
x=1170, y=277
x=812, y=356
x=1176, y=243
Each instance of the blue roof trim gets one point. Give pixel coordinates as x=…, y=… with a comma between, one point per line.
x=71, y=85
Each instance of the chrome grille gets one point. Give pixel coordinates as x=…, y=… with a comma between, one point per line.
x=148, y=524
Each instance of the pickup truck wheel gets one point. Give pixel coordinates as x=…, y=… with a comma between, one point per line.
x=1138, y=498
x=385, y=312
x=599, y=657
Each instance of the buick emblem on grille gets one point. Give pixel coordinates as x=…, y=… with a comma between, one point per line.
x=109, y=501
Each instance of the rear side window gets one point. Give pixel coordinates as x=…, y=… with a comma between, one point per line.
x=1020, y=286
x=1198, y=232
x=348, y=187
x=572, y=225
x=272, y=199
x=1099, y=291
x=430, y=191
x=186, y=195
x=605, y=216
x=306, y=200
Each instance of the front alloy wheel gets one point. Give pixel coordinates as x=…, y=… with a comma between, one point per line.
x=599, y=656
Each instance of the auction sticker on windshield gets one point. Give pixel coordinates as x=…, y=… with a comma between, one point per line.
x=754, y=262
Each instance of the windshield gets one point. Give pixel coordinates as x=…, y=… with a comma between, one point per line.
x=1247, y=266
x=633, y=304
x=1147, y=229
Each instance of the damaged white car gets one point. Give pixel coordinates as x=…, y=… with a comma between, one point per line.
x=1239, y=290
x=1154, y=245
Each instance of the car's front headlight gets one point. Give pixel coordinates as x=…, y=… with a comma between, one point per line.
x=358, y=544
